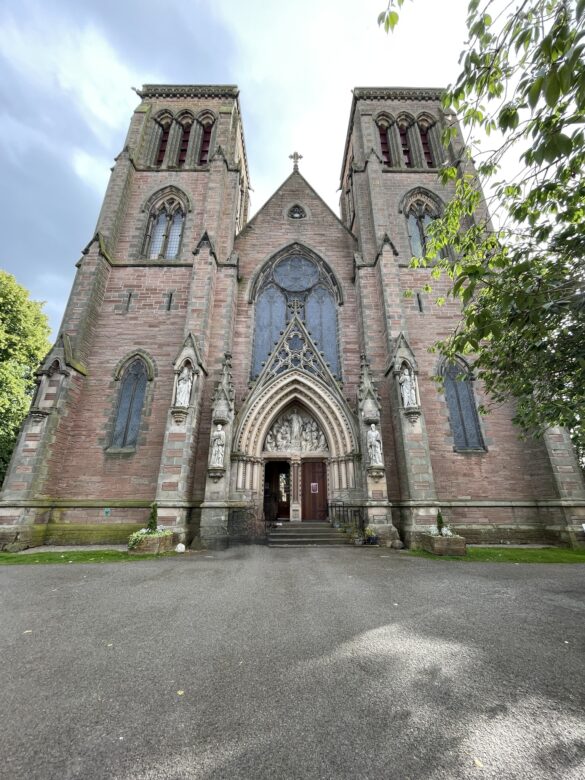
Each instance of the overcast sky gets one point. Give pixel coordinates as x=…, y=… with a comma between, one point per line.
x=67, y=68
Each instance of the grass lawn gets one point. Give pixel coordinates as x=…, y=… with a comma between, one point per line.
x=511, y=555
x=76, y=556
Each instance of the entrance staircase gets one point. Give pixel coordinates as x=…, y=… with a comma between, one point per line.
x=305, y=534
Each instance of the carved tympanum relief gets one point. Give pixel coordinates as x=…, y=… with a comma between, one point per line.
x=297, y=431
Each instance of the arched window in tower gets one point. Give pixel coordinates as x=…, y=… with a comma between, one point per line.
x=165, y=125
x=130, y=403
x=165, y=231
x=205, y=146
x=302, y=286
x=463, y=415
x=405, y=145
x=383, y=130
x=420, y=213
x=186, y=126
x=426, y=145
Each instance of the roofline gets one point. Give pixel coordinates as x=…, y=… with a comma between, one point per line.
x=150, y=91
x=188, y=90
x=386, y=93
x=313, y=190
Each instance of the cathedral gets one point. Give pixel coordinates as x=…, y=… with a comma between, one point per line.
x=239, y=372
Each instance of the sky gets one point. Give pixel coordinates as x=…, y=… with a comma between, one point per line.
x=67, y=68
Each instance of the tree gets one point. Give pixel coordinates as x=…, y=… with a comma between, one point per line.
x=522, y=285
x=24, y=332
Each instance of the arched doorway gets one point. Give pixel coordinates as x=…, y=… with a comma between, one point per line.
x=295, y=425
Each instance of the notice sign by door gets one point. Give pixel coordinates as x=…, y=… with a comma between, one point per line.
x=314, y=487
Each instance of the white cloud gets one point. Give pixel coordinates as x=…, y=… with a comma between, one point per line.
x=93, y=170
x=75, y=62
x=298, y=62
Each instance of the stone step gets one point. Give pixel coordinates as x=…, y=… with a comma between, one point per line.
x=305, y=534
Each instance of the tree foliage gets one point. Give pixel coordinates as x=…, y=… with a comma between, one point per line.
x=522, y=285
x=24, y=332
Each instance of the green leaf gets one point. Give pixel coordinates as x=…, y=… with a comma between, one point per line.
x=552, y=88
x=534, y=91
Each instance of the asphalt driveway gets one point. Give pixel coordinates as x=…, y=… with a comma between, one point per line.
x=292, y=663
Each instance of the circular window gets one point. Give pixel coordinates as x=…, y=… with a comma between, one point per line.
x=296, y=273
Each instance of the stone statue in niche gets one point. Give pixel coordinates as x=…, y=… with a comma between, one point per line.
x=217, y=447
x=184, y=385
x=374, y=446
x=407, y=383
x=296, y=431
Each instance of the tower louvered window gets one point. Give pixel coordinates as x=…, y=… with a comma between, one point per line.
x=163, y=143
x=184, y=143
x=405, y=146
x=426, y=146
x=384, y=144
x=205, y=143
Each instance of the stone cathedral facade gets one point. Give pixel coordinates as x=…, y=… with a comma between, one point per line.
x=272, y=367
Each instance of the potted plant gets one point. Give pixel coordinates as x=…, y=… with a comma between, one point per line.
x=371, y=536
x=441, y=540
x=356, y=537
x=151, y=539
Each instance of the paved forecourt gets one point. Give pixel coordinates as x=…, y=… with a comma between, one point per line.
x=292, y=663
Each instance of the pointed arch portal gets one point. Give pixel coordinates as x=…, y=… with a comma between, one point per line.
x=335, y=442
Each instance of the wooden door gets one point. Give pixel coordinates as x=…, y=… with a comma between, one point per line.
x=314, y=490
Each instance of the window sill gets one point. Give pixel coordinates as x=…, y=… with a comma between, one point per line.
x=124, y=451
x=470, y=450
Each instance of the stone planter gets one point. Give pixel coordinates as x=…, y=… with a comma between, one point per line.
x=443, y=545
x=154, y=544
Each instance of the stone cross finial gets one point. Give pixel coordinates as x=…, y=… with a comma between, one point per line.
x=295, y=157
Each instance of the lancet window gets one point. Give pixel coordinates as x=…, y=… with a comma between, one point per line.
x=463, y=415
x=130, y=403
x=165, y=230
x=205, y=144
x=302, y=286
x=420, y=212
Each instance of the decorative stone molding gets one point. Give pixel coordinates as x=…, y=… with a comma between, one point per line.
x=188, y=91
x=376, y=472
x=179, y=414
x=323, y=401
x=223, y=399
x=381, y=93
x=368, y=398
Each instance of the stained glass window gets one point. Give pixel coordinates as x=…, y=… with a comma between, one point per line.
x=131, y=400
x=418, y=221
x=296, y=286
x=163, y=238
x=462, y=409
x=158, y=236
x=175, y=231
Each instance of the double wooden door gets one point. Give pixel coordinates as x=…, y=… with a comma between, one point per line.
x=314, y=490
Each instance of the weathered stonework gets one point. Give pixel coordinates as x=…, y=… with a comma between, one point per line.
x=195, y=315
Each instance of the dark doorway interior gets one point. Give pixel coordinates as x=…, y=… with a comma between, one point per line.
x=277, y=490
x=314, y=490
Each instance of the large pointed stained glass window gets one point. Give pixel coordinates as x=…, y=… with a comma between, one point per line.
x=300, y=286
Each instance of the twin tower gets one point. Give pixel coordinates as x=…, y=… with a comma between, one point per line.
x=240, y=371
